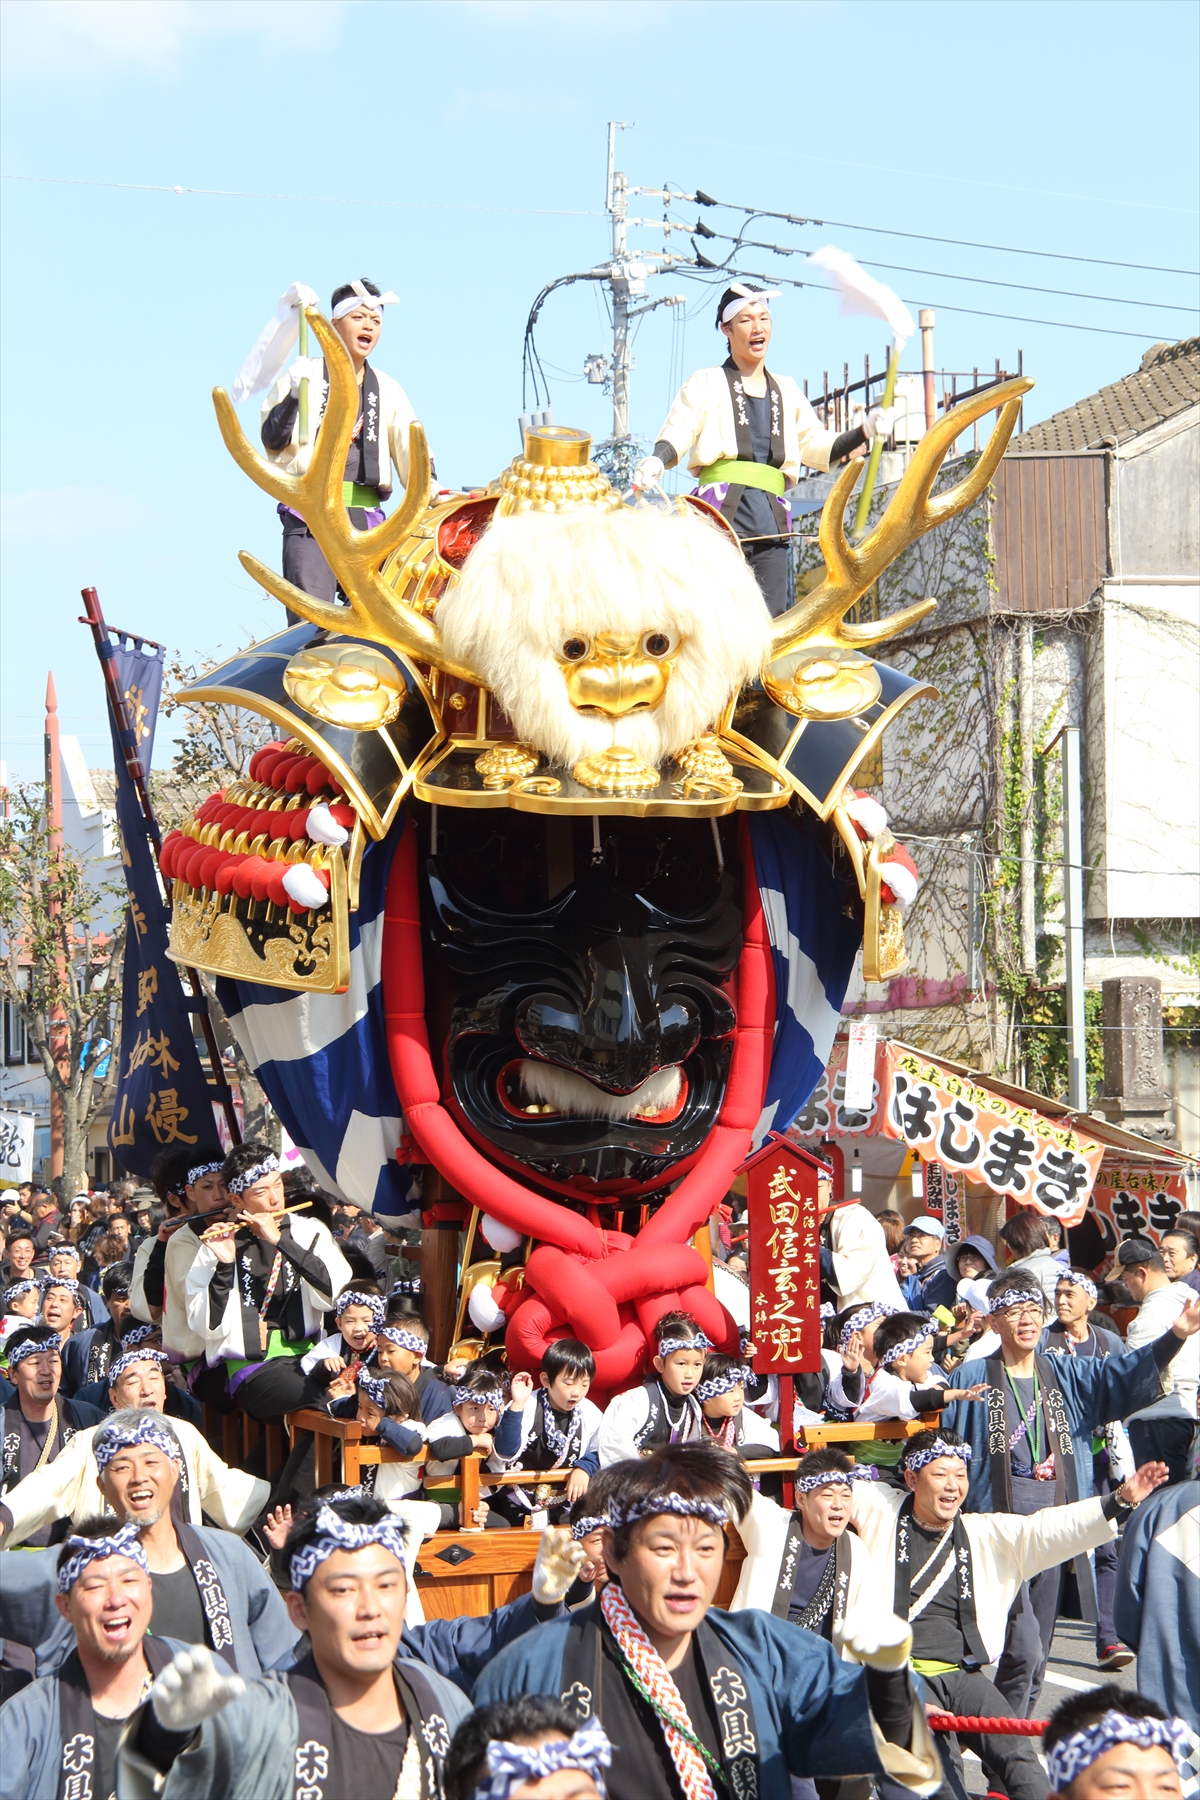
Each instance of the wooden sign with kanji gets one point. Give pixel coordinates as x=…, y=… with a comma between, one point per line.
x=785, y=1260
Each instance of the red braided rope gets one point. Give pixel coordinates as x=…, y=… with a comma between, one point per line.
x=940, y=1721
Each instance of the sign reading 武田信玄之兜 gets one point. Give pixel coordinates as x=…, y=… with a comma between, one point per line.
x=783, y=1211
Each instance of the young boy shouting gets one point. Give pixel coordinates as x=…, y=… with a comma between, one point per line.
x=359, y=1310
x=555, y=1427
x=664, y=1410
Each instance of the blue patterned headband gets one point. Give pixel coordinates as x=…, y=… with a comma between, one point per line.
x=404, y=1340
x=1014, y=1297
x=125, y=1542
x=33, y=1347
x=1081, y=1281
x=909, y=1344
x=493, y=1396
x=373, y=1303
x=203, y=1169
x=68, y=1250
x=146, y=1434
x=716, y=1385
x=62, y=1281
x=335, y=1533
x=375, y=1389
x=669, y=1345
x=21, y=1287
x=628, y=1512
x=917, y=1459
x=128, y=1358
x=1072, y=1755
x=807, y=1484
x=270, y=1165
x=858, y=1321
x=138, y=1334
x=590, y=1522
x=509, y=1766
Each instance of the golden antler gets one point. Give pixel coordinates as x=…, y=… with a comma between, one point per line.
x=818, y=619
x=354, y=556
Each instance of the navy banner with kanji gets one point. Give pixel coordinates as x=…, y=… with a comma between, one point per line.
x=162, y=1097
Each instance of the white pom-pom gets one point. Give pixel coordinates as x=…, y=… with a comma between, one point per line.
x=484, y=1314
x=304, y=887
x=868, y=814
x=902, y=881
x=323, y=828
x=500, y=1237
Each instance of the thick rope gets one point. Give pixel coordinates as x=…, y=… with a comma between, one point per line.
x=940, y=1721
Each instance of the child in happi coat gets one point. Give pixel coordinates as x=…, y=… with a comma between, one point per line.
x=359, y=1310
x=664, y=1409
x=725, y=1418
x=553, y=1428
x=899, y=1385
x=21, y=1304
x=387, y=1407
x=401, y=1350
x=467, y=1429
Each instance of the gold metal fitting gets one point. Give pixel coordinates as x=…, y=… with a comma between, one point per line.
x=617, y=770
x=617, y=676
x=705, y=767
x=346, y=684
x=505, y=763
x=823, y=682
x=554, y=475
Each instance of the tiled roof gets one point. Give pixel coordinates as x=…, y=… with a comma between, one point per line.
x=1167, y=383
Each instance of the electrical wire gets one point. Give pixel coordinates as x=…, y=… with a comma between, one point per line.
x=532, y=373
x=948, y=275
x=974, y=312
x=1101, y=262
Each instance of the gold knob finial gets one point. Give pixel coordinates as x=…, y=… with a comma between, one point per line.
x=557, y=447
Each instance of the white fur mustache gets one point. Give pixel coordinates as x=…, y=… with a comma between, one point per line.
x=570, y=1093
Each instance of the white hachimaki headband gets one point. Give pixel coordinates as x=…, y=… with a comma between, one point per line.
x=125, y=1542
x=628, y=1512
x=404, y=1340
x=1081, y=1281
x=146, y=1434
x=128, y=1358
x=509, y=1765
x=1072, y=1755
x=493, y=1396
x=33, y=1347
x=203, y=1169
x=716, y=1385
x=335, y=1533
x=62, y=1281
x=270, y=1165
x=373, y=1303
x=68, y=1250
x=670, y=1345
x=1014, y=1297
x=362, y=296
x=909, y=1344
x=807, y=1484
x=747, y=297
x=917, y=1459
x=21, y=1287
x=858, y=1321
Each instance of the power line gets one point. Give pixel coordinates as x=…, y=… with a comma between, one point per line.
x=923, y=237
x=974, y=312
x=947, y=275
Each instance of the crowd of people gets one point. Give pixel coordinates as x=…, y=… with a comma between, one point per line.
x=177, y=1623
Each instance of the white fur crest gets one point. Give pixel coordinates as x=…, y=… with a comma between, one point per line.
x=536, y=579
x=567, y=1092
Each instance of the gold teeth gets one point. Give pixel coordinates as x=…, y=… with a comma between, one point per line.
x=532, y=487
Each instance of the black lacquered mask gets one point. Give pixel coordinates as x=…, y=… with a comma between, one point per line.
x=589, y=1038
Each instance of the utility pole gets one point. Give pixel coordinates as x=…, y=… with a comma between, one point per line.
x=1073, y=920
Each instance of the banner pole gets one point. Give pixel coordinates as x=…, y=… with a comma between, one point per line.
x=303, y=433
x=137, y=774
x=864, y=499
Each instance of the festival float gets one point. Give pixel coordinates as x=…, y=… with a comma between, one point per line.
x=554, y=877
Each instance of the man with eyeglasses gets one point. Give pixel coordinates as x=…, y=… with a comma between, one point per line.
x=1032, y=1445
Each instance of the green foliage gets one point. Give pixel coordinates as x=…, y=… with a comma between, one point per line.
x=1041, y=1027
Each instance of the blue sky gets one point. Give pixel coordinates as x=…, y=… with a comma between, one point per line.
x=455, y=152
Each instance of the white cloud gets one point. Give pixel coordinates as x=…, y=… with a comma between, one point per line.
x=153, y=34
x=57, y=516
